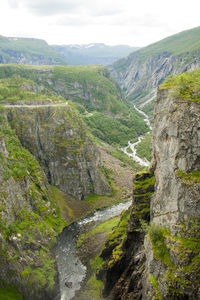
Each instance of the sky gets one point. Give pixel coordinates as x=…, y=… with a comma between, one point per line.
x=113, y=22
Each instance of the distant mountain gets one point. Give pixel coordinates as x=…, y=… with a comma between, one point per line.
x=28, y=51
x=96, y=53
x=142, y=71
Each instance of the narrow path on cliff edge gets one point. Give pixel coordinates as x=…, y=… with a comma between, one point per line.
x=139, y=160
x=34, y=105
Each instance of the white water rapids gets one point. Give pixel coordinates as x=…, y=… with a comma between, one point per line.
x=143, y=162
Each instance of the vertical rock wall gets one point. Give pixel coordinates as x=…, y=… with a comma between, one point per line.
x=173, y=240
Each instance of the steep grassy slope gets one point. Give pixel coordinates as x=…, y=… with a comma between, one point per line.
x=142, y=71
x=97, y=97
x=28, y=51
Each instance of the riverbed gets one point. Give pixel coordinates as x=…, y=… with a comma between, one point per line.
x=143, y=162
x=71, y=270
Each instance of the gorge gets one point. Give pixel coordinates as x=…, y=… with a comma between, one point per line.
x=73, y=222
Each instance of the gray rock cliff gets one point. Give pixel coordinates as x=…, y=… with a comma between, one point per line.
x=57, y=137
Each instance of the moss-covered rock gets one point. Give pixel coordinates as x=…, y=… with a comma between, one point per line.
x=58, y=139
x=30, y=221
x=123, y=256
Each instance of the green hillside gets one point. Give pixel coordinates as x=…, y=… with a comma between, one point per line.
x=17, y=50
x=97, y=98
x=186, y=41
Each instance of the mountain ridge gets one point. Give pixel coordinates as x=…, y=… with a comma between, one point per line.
x=144, y=70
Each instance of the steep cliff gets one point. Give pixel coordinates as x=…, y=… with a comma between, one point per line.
x=95, y=94
x=57, y=138
x=29, y=222
x=144, y=70
x=164, y=263
x=173, y=245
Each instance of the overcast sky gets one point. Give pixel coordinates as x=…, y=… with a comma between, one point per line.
x=131, y=22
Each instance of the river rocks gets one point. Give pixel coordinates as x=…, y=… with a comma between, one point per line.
x=57, y=137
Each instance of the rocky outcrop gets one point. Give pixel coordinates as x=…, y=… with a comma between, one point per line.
x=57, y=138
x=164, y=263
x=144, y=70
x=172, y=245
x=124, y=254
x=139, y=75
x=29, y=221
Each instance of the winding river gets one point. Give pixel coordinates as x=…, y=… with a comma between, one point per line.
x=143, y=162
x=71, y=270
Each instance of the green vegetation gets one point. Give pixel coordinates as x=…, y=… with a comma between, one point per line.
x=189, y=178
x=8, y=292
x=116, y=237
x=143, y=189
x=32, y=49
x=184, y=248
x=92, y=90
x=116, y=131
x=106, y=226
x=185, y=86
x=58, y=198
x=126, y=160
x=160, y=250
x=17, y=88
x=183, y=42
x=155, y=285
x=148, y=109
x=39, y=219
x=144, y=148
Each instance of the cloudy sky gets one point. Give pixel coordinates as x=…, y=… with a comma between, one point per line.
x=132, y=22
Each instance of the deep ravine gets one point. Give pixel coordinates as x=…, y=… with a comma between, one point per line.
x=71, y=270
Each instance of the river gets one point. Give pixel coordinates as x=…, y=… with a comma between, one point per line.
x=143, y=162
x=71, y=270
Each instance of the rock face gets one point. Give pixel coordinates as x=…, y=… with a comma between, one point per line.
x=172, y=246
x=146, y=75
x=176, y=150
x=164, y=263
x=124, y=260
x=57, y=138
x=144, y=70
x=29, y=221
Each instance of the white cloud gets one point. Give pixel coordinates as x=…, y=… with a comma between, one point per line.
x=131, y=22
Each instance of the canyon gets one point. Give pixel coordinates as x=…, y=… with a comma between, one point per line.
x=62, y=131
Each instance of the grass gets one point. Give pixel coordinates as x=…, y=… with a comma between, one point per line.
x=58, y=198
x=8, y=292
x=29, y=47
x=144, y=149
x=183, y=42
x=89, y=87
x=185, y=86
x=126, y=161
x=160, y=250
x=184, y=247
x=106, y=226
